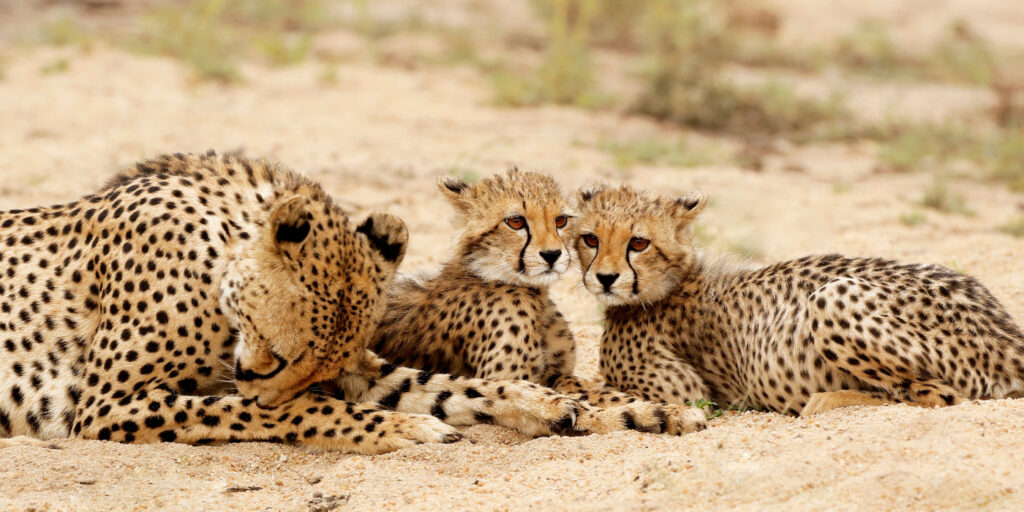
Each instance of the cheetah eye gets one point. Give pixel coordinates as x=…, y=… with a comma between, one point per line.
x=590, y=240
x=561, y=221
x=638, y=244
x=515, y=221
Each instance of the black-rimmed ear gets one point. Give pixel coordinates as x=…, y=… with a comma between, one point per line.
x=687, y=207
x=452, y=187
x=585, y=194
x=386, y=234
x=289, y=220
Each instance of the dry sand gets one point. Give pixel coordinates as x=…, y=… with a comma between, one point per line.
x=376, y=140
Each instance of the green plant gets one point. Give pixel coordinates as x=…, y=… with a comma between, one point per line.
x=870, y=49
x=63, y=31
x=841, y=188
x=961, y=56
x=328, y=74
x=955, y=267
x=196, y=34
x=1014, y=228
x=1002, y=155
x=914, y=218
x=281, y=50
x=565, y=74
x=629, y=152
x=56, y=66
x=938, y=197
x=711, y=409
x=913, y=147
x=212, y=35
x=279, y=15
x=685, y=80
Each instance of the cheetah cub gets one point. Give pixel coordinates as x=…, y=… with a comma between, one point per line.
x=488, y=313
x=805, y=335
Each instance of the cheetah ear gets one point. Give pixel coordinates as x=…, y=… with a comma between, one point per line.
x=289, y=220
x=454, y=189
x=585, y=194
x=686, y=208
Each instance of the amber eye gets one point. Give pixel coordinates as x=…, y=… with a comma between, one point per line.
x=515, y=221
x=590, y=240
x=561, y=221
x=638, y=244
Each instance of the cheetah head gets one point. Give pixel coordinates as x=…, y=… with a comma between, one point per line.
x=514, y=227
x=634, y=247
x=305, y=295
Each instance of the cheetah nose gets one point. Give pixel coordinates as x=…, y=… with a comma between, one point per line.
x=607, y=280
x=551, y=256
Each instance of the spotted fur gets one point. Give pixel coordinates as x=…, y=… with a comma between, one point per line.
x=488, y=313
x=803, y=335
x=197, y=298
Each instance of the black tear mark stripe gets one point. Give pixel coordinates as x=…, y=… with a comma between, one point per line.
x=522, y=253
x=636, y=277
x=597, y=251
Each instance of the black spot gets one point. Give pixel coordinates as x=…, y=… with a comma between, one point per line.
x=294, y=234
x=187, y=386
x=437, y=410
x=391, y=400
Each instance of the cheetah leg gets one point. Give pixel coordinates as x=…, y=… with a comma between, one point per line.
x=828, y=400
x=614, y=410
x=617, y=410
x=659, y=376
x=308, y=420
x=521, y=405
x=855, y=331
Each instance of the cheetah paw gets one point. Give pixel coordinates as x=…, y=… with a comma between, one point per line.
x=401, y=430
x=683, y=419
x=644, y=417
x=534, y=410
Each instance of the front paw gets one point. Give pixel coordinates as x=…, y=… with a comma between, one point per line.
x=683, y=419
x=643, y=417
x=400, y=430
x=535, y=410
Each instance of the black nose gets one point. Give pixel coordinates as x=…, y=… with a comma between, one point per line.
x=551, y=256
x=607, y=280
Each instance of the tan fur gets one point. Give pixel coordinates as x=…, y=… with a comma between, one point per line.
x=681, y=327
x=488, y=312
x=133, y=313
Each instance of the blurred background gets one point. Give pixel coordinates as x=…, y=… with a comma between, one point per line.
x=889, y=127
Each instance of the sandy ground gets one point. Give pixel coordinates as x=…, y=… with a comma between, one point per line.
x=376, y=140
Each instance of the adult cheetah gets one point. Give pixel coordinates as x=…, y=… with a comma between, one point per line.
x=488, y=312
x=805, y=335
x=133, y=313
